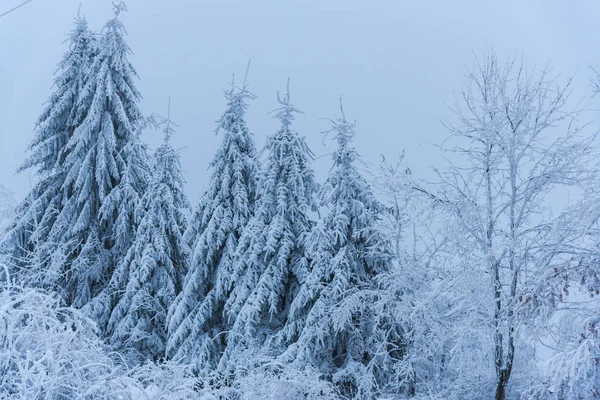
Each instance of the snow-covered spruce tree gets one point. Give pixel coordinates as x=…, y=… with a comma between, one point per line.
x=95, y=161
x=347, y=253
x=31, y=239
x=270, y=262
x=147, y=281
x=196, y=321
x=124, y=201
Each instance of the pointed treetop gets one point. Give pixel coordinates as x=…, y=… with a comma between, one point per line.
x=80, y=20
x=286, y=112
x=245, y=83
x=246, y=74
x=344, y=132
x=342, y=129
x=168, y=130
x=242, y=92
x=115, y=23
x=236, y=97
x=81, y=26
x=118, y=8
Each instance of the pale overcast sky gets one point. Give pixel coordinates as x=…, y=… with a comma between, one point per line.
x=396, y=63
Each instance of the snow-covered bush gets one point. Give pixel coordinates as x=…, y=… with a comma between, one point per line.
x=46, y=350
x=263, y=378
x=52, y=352
x=169, y=380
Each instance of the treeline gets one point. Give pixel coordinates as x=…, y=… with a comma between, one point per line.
x=387, y=286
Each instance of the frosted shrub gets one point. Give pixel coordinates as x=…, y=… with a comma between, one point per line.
x=52, y=352
x=269, y=380
x=47, y=351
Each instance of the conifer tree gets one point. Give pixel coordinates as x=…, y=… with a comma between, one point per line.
x=149, y=278
x=347, y=252
x=270, y=260
x=31, y=237
x=195, y=322
x=95, y=162
x=124, y=201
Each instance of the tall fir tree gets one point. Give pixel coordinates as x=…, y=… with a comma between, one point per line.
x=30, y=240
x=347, y=252
x=124, y=201
x=196, y=322
x=150, y=276
x=270, y=260
x=82, y=261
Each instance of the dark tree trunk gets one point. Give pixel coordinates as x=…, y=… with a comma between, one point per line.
x=501, y=389
x=502, y=384
x=504, y=373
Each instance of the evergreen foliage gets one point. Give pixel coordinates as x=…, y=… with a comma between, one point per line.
x=31, y=242
x=149, y=278
x=270, y=263
x=196, y=323
x=347, y=253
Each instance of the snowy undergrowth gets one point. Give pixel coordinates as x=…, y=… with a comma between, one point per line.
x=52, y=352
x=270, y=380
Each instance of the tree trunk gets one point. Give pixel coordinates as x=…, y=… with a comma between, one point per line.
x=500, y=390
x=502, y=383
x=504, y=373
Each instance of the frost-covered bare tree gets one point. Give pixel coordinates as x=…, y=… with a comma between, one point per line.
x=409, y=298
x=514, y=142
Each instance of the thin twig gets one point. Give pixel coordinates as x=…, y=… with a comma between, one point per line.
x=15, y=8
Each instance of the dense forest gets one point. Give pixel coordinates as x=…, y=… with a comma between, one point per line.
x=481, y=283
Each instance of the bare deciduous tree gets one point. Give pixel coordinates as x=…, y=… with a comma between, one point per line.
x=516, y=143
